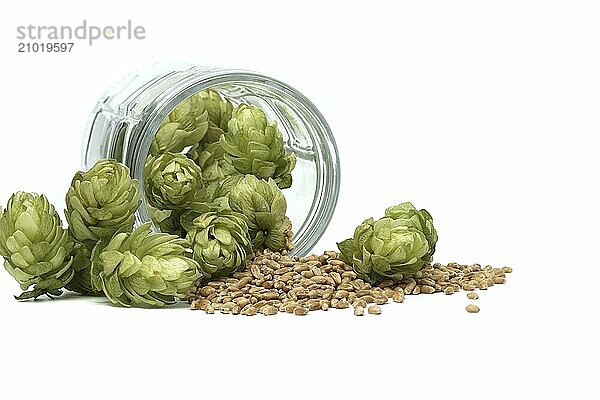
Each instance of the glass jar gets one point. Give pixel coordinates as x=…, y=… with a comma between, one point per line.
x=126, y=119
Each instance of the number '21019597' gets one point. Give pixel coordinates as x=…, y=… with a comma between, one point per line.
x=57, y=47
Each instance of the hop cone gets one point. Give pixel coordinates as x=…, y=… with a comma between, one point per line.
x=220, y=241
x=264, y=206
x=219, y=110
x=216, y=198
x=386, y=248
x=81, y=282
x=210, y=158
x=219, y=191
x=35, y=247
x=208, y=153
x=100, y=202
x=408, y=215
x=172, y=181
x=185, y=126
x=166, y=220
x=252, y=146
x=246, y=117
x=143, y=268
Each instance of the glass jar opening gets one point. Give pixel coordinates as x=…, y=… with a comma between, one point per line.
x=312, y=197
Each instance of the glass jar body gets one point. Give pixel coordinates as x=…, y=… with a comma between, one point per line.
x=128, y=116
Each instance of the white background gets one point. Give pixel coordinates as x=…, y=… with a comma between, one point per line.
x=485, y=113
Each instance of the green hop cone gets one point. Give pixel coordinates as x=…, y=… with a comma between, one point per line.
x=216, y=198
x=418, y=219
x=185, y=126
x=167, y=220
x=142, y=268
x=210, y=158
x=219, y=191
x=264, y=206
x=205, y=154
x=81, y=282
x=386, y=248
x=246, y=117
x=172, y=181
x=252, y=146
x=100, y=203
x=171, y=224
x=219, y=109
x=35, y=247
x=220, y=241
x=208, y=153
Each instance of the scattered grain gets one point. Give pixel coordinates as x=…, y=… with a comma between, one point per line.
x=276, y=282
x=472, y=308
x=301, y=311
x=374, y=310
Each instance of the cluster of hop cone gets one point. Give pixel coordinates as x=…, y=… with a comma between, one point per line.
x=213, y=182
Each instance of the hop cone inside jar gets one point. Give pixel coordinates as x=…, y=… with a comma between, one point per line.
x=211, y=159
x=252, y=146
x=35, y=247
x=207, y=152
x=219, y=110
x=264, y=206
x=185, y=126
x=172, y=181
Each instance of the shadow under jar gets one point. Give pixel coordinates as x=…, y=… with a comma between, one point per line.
x=126, y=119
